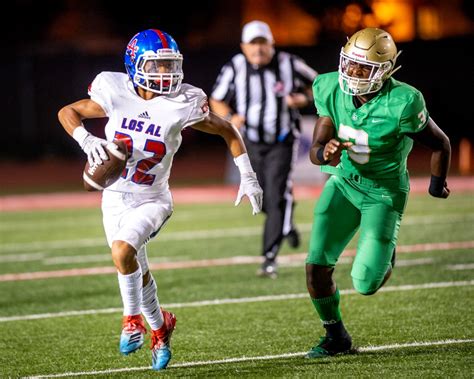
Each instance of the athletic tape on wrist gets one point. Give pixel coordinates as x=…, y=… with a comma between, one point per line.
x=80, y=134
x=320, y=156
x=436, y=185
x=243, y=163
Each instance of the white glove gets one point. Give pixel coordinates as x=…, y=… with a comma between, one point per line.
x=249, y=186
x=92, y=146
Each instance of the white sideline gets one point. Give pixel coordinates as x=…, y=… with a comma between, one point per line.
x=257, y=358
x=406, y=287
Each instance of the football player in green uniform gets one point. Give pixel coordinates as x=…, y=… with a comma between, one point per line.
x=372, y=120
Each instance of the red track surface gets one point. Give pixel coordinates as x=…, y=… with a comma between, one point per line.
x=186, y=195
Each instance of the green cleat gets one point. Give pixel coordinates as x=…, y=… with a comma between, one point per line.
x=328, y=346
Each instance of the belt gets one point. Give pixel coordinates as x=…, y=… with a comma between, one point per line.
x=356, y=177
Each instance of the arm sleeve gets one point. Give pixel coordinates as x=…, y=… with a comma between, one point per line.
x=98, y=92
x=224, y=87
x=199, y=109
x=414, y=116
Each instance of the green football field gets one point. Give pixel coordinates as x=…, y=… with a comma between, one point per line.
x=232, y=323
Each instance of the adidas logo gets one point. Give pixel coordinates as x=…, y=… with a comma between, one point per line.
x=135, y=338
x=144, y=115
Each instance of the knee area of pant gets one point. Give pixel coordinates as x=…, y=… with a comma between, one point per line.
x=364, y=287
x=365, y=281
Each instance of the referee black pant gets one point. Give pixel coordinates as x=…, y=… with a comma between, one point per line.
x=272, y=164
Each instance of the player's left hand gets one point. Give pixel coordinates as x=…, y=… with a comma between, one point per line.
x=446, y=191
x=439, y=189
x=249, y=186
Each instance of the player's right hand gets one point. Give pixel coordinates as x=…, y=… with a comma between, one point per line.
x=334, y=147
x=94, y=148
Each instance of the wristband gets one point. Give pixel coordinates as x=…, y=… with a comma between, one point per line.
x=243, y=163
x=80, y=134
x=320, y=156
x=436, y=185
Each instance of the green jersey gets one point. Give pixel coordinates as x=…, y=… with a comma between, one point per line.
x=377, y=129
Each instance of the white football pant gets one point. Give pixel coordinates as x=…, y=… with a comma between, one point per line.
x=135, y=218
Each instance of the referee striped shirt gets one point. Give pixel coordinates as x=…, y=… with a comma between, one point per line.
x=259, y=94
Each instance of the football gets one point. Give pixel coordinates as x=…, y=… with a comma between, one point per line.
x=100, y=176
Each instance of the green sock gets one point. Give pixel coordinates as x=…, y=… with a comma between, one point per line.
x=328, y=308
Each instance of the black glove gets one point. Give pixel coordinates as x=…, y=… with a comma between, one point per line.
x=439, y=187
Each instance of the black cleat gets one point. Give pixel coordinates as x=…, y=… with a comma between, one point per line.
x=293, y=238
x=268, y=269
x=329, y=346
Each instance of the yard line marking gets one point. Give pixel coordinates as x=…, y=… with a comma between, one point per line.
x=39, y=255
x=451, y=218
x=414, y=344
x=104, y=257
x=435, y=246
x=348, y=260
x=50, y=245
x=255, y=299
x=209, y=234
x=362, y=349
x=40, y=316
x=238, y=260
x=42, y=256
x=414, y=262
x=57, y=222
x=466, y=266
x=95, y=220
x=67, y=259
x=168, y=236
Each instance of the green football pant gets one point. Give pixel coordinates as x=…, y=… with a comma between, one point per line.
x=343, y=207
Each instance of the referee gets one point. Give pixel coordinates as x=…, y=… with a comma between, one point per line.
x=260, y=92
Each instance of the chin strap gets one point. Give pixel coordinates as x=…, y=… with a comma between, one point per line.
x=396, y=68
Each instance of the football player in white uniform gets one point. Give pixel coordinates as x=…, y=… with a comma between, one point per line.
x=148, y=109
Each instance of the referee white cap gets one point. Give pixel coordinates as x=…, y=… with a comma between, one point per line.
x=255, y=29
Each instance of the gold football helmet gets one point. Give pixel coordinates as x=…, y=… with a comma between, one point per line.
x=372, y=51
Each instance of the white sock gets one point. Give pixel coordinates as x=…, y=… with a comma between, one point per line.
x=131, y=291
x=151, y=305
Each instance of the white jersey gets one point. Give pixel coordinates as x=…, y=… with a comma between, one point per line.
x=151, y=128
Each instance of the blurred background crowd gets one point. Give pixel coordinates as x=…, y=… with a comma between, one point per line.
x=55, y=49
